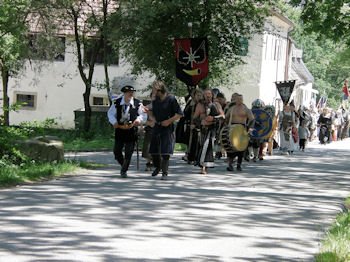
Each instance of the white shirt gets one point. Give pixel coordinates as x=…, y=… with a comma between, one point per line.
x=112, y=112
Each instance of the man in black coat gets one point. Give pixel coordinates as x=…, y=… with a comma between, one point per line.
x=165, y=110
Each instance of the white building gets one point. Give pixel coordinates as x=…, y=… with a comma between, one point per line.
x=55, y=89
x=303, y=94
x=270, y=59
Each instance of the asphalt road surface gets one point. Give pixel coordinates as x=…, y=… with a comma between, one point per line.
x=274, y=210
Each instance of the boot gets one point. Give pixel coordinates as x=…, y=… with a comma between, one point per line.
x=125, y=168
x=255, y=151
x=156, y=171
x=165, y=165
x=229, y=168
x=148, y=166
x=156, y=163
x=230, y=162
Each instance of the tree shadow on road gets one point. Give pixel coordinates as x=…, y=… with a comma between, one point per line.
x=267, y=209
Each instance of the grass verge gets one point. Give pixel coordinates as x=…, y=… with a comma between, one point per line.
x=96, y=143
x=30, y=172
x=336, y=244
x=103, y=143
x=73, y=139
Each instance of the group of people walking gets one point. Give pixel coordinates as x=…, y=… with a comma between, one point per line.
x=211, y=127
x=127, y=113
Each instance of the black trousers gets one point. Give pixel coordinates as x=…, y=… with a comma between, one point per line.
x=118, y=150
x=161, y=163
x=239, y=154
x=302, y=143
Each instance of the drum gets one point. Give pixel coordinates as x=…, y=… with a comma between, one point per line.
x=234, y=138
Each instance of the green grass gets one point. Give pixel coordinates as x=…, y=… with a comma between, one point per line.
x=74, y=140
x=180, y=147
x=336, y=244
x=103, y=142
x=14, y=175
x=95, y=143
x=347, y=203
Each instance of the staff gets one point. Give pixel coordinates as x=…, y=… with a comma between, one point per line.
x=137, y=151
x=191, y=122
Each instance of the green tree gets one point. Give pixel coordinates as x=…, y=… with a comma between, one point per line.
x=323, y=33
x=89, y=22
x=328, y=18
x=149, y=27
x=13, y=28
x=17, y=44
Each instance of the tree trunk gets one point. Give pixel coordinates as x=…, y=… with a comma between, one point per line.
x=87, y=112
x=86, y=79
x=108, y=89
x=104, y=37
x=6, y=103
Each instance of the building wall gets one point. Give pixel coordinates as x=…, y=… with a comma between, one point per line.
x=264, y=65
x=274, y=60
x=247, y=76
x=59, y=89
x=305, y=96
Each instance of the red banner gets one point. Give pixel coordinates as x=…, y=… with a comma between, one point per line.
x=191, y=59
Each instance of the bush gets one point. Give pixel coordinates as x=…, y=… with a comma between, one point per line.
x=10, y=153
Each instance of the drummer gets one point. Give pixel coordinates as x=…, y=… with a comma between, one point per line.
x=238, y=114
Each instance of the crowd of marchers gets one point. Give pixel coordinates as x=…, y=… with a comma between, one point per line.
x=213, y=128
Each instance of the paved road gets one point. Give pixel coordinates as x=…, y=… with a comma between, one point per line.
x=275, y=210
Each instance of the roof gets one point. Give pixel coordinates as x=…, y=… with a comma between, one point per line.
x=299, y=70
x=283, y=18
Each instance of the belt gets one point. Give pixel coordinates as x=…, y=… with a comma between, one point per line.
x=126, y=126
x=239, y=124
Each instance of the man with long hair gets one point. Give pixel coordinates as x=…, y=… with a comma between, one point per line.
x=241, y=115
x=164, y=112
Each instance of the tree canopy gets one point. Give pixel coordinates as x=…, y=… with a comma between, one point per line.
x=149, y=27
x=329, y=18
x=323, y=35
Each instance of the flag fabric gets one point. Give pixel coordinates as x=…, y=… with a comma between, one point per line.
x=285, y=89
x=191, y=59
x=322, y=102
x=345, y=90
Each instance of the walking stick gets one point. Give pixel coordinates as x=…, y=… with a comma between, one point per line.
x=137, y=152
x=191, y=131
x=191, y=122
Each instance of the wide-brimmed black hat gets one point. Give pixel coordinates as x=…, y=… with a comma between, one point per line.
x=128, y=89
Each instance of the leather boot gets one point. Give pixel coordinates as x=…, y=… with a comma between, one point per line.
x=165, y=165
x=125, y=168
x=156, y=164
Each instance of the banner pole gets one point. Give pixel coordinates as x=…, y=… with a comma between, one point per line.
x=190, y=28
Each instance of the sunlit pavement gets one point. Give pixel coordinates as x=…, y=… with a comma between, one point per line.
x=275, y=210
